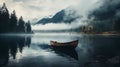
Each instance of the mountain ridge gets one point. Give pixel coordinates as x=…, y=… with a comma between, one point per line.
x=59, y=17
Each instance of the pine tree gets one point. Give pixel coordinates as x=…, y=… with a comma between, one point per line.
x=4, y=19
x=21, y=25
x=13, y=22
x=117, y=25
x=28, y=27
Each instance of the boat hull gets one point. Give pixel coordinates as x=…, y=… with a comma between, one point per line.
x=59, y=45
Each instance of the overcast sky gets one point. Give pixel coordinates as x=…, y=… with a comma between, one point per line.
x=31, y=9
x=34, y=10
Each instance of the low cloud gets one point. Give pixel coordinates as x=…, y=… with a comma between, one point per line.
x=59, y=26
x=80, y=11
x=35, y=10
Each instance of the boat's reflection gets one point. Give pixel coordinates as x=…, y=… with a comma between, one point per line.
x=64, y=52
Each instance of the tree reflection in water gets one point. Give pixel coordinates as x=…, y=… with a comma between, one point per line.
x=10, y=45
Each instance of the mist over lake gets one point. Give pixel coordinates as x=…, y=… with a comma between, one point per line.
x=28, y=50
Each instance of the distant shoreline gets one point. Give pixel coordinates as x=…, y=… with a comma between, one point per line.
x=69, y=32
x=109, y=32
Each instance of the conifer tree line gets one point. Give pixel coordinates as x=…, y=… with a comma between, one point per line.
x=9, y=23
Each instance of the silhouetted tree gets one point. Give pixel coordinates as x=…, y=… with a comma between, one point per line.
x=10, y=24
x=117, y=25
x=4, y=19
x=13, y=22
x=84, y=29
x=28, y=27
x=21, y=25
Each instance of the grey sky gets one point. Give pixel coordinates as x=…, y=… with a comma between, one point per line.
x=34, y=10
x=31, y=9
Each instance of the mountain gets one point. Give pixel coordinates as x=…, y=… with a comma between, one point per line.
x=59, y=17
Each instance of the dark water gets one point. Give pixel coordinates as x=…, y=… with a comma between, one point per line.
x=35, y=51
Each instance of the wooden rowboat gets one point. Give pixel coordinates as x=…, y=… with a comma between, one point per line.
x=72, y=44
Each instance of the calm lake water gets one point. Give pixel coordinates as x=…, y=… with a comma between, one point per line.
x=34, y=50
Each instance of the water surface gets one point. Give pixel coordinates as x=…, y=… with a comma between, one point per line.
x=34, y=50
